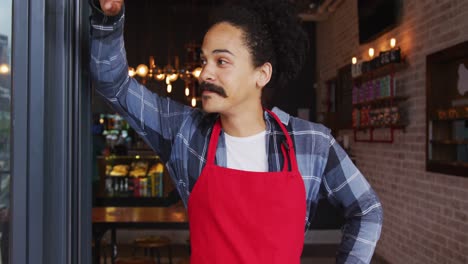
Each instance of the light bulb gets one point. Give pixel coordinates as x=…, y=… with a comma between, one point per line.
x=160, y=76
x=187, y=91
x=392, y=42
x=131, y=72
x=101, y=121
x=142, y=70
x=169, y=88
x=173, y=77
x=197, y=72
x=4, y=69
x=354, y=60
x=194, y=102
x=371, y=52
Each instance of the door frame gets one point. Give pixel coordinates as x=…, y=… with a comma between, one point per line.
x=51, y=139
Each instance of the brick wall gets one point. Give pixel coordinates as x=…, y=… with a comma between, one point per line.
x=426, y=214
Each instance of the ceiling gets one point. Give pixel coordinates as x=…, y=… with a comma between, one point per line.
x=316, y=10
x=309, y=10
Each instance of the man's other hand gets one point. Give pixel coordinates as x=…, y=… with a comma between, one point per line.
x=111, y=7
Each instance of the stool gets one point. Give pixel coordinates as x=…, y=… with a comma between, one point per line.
x=184, y=261
x=153, y=244
x=189, y=249
x=134, y=260
x=102, y=248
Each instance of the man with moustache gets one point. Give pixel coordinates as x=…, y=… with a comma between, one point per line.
x=250, y=177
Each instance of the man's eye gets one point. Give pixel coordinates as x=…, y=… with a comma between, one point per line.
x=203, y=61
x=222, y=62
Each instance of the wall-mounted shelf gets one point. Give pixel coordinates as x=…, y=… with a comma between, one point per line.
x=371, y=129
x=381, y=101
x=396, y=126
x=375, y=103
x=381, y=71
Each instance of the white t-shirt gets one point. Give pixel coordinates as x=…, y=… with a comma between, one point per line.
x=247, y=153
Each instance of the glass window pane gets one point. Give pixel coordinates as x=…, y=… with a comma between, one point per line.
x=5, y=125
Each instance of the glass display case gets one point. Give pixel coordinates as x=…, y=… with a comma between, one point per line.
x=126, y=171
x=447, y=111
x=132, y=180
x=126, y=176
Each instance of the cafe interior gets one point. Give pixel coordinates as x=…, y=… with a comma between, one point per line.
x=388, y=77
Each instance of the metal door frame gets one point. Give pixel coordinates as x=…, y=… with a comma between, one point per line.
x=51, y=141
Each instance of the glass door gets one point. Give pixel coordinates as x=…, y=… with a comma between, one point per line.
x=5, y=127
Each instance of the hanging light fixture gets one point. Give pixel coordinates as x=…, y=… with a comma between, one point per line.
x=189, y=72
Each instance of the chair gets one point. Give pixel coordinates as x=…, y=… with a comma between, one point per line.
x=153, y=244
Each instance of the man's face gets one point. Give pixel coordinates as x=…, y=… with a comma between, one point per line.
x=228, y=79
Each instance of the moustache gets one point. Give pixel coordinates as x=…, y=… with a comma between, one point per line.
x=204, y=86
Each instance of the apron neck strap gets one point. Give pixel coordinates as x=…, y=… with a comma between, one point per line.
x=290, y=145
x=213, y=143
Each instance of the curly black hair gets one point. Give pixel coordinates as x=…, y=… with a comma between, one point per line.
x=272, y=32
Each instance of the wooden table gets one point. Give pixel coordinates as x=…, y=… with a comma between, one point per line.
x=112, y=218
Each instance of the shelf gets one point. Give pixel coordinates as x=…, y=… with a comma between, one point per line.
x=451, y=163
x=131, y=201
x=397, y=126
x=456, y=113
x=448, y=167
x=449, y=119
x=380, y=72
x=371, y=138
x=380, y=101
x=450, y=142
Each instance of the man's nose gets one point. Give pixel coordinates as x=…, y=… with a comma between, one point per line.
x=207, y=74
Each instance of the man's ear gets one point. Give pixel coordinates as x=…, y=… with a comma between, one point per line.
x=264, y=74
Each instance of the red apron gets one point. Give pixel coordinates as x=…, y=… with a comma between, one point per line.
x=247, y=217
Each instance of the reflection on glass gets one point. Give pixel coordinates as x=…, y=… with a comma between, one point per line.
x=5, y=131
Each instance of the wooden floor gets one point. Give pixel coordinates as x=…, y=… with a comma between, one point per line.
x=312, y=254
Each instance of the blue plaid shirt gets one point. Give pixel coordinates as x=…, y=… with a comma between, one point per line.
x=180, y=135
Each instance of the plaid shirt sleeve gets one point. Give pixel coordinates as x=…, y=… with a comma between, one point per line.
x=345, y=186
x=156, y=119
